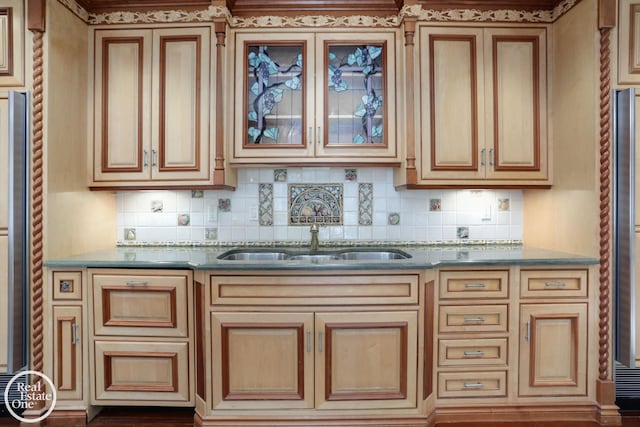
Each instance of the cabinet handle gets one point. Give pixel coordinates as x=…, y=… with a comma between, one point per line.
x=74, y=334
x=136, y=283
x=154, y=157
x=473, y=319
x=482, y=159
x=477, y=384
x=474, y=353
x=555, y=284
x=528, y=335
x=320, y=342
x=491, y=160
x=475, y=285
x=308, y=341
x=318, y=136
x=145, y=158
x=310, y=136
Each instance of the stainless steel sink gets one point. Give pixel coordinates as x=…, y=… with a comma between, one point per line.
x=253, y=255
x=355, y=254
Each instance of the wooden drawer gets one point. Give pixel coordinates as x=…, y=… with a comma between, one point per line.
x=141, y=305
x=134, y=371
x=554, y=283
x=473, y=352
x=315, y=290
x=474, y=284
x=66, y=285
x=472, y=384
x=477, y=318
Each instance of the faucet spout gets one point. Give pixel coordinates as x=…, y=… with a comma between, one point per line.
x=315, y=228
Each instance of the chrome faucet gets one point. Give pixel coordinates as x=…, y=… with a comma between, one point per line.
x=315, y=228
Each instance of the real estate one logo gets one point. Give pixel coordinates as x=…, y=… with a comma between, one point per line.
x=20, y=396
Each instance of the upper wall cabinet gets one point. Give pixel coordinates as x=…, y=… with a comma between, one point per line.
x=314, y=98
x=12, y=31
x=483, y=107
x=629, y=42
x=152, y=107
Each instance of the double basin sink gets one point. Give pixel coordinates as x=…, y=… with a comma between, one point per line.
x=277, y=254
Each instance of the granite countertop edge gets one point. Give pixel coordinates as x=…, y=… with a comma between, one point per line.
x=422, y=257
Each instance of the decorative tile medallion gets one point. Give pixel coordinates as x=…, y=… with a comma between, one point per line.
x=184, y=219
x=157, y=206
x=462, y=232
x=435, y=205
x=316, y=203
x=224, y=205
x=211, y=233
x=265, y=204
x=365, y=203
x=280, y=175
x=197, y=194
x=394, y=218
x=351, y=174
x=129, y=234
x=503, y=204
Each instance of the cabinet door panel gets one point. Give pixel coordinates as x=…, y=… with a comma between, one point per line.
x=364, y=362
x=4, y=163
x=452, y=110
x=67, y=351
x=180, y=105
x=516, y=98
x=122, y=85
x=4, y=303
x=553, y=349
x=262, y=360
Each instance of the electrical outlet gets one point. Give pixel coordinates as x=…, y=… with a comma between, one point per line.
x=212, y=213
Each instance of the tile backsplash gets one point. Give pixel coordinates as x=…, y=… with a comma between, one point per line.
x=351, y=204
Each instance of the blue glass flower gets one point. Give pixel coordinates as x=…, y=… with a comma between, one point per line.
x=369, y=106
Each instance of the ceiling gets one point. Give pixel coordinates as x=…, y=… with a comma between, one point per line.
x=298, y=7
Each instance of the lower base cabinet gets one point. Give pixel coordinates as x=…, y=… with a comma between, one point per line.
x=314, y=360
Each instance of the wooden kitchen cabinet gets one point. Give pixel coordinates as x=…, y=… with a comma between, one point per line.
x=68, y=352
x=314, y=98
x=12, y=43
x=4, y=228
x=141, y=340
x=289, y=342
x=483, y=107
x=152, y=107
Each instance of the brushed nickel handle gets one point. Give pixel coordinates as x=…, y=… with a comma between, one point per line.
x=473, y=319
x=475, y=285
x=137, y=283
x=320, y=342
x=528, y=335
x=310, y=135
x=474, y=353
x=491, y=159
x=74, y=334
x=482, y=157
x=154, y=157
x=308, y=341
x=555, y=284
x=145, y=158
x=477, y=384
x=318, y=136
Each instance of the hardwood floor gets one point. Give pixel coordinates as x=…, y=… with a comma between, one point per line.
x=172, y=417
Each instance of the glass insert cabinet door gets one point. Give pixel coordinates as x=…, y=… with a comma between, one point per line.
x=314, y=95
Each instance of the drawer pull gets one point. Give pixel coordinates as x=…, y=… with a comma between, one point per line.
x=477, y=384
x=555, y=284
x=475, y=285
x=308, y=341
x=136, y=283
x=473, y=319
x=74, y=334
x=477, y=353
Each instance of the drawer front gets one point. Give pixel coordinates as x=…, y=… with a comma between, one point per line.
x=474, y=284
x=473, y=352
x=477, y=318
x=472, y=384
x=315, y=290
x=554, y=283
x=67, y=285
x=142, y=371
x=139, y=305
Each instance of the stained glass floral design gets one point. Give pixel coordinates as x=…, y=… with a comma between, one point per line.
x=270, y=83
x=355, y=75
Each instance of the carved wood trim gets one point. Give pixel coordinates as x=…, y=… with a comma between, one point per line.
x=199, y=341
x=220, y=28
x=109, y=356
x=227, y=394
x=473, y=67
x=162, y=140
x=105, y=102
x=410, y=129
x=604, y=338
x=536, y=101
x=573, y=318
x=6, y=69
x=107, y=318
x=329, y=329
